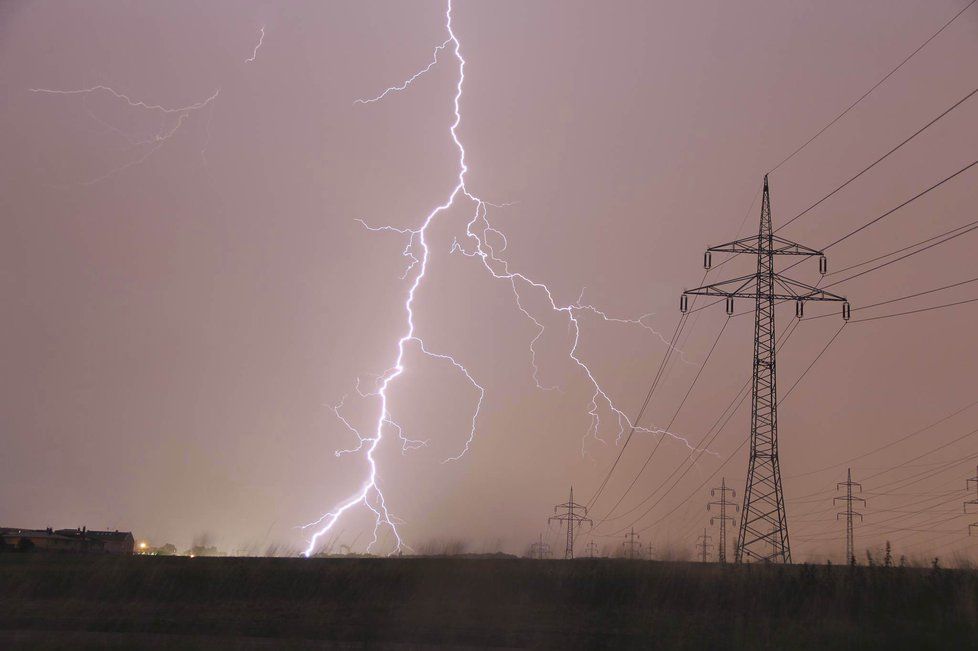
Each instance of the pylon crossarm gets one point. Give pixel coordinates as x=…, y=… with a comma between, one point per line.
x=779, y=246
x=738, y=288
x=801, y=292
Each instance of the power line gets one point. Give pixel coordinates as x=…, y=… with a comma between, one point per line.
x=641, y=412
x=880, y=159
x=902, y=257
x=707, y=439
x=925, y=309
x=903, y=248
x=669, y=426
x=889, y=212
x=730, y=457
x=712, y=475
x=901, y=298
x=817, y=357
x=726, y=415
x=874, y=87
x=941, y=420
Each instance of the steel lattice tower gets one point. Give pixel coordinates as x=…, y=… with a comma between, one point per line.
x=849, y=513
x=974, y=479
x=723, y=518
x=540, y=550
x=763, y=532
x=704, y=547
x=570, y=514
x=631, y=543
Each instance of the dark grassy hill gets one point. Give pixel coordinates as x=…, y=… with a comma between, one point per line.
x=184, y=603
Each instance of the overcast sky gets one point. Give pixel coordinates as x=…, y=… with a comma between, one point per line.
x=188, y=293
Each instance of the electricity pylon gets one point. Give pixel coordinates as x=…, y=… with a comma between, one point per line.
x=540, y=550
x=630, y=545
x=763, y=524
x=591, y=549
x=967, y=484
x=571, y=514
x=649, y=548
x=723, y=518
x=849, y=513
x=704, y=546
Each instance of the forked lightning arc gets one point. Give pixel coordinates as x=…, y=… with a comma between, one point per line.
x=474, y=244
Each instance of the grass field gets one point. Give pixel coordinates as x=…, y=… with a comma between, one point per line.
x=407, y=603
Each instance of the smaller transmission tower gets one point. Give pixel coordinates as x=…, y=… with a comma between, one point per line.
x=704, y=546
x=723, y=519
x=648, y=553
x=570, y=514
x=968, y=483
x=540, y=550
x=849, y=513
x=591, y=549
x=631, y=545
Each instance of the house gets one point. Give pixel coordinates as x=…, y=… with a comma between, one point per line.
x=71, y=541
x=113, y=542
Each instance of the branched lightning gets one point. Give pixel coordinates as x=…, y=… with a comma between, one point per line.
x=178, y=117
x=485, y=243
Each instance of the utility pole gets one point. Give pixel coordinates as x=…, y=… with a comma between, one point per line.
x=724, y=518
x=967, y=485
x=704, y=546
x=570, y=514
x=630, y=543
x=591, y=549
x=849, y=499
x=763, y=534
x=540, y=550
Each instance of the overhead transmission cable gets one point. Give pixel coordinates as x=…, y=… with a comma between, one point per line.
x=709, y=436
x=641, y=411
x=669, y=426
x=880, y=159
x=874, y=87
x=941, y=420
x=732, y=454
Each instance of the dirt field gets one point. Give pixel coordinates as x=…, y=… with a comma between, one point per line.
x=411, y=603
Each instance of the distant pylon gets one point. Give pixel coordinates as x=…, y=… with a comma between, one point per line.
x=570, y=514
x=540, y=550
x=967, y=484
x=723, y=518
x=649, y=552
x=631, y=545
x=849, y=513
x=591, y=549
x=704, y=546
x=763, y=532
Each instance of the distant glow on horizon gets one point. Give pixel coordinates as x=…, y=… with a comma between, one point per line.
x=418, y=253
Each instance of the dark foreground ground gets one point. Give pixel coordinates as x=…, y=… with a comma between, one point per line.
x=205, y=603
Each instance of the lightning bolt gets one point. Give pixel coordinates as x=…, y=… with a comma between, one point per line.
x=477, y=243
x=178, y=116
x=261, y=39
